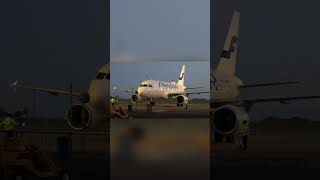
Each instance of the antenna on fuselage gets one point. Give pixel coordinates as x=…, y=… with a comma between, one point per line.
x=148, y=76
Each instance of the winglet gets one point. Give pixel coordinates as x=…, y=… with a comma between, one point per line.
x=14, y=85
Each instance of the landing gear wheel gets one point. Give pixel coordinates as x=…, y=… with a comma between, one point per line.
x=64, y=175
x=218, y=137
x=152, y=103
x=18, y=177
x=19, y=174
x=244, y=143
x=230, y=138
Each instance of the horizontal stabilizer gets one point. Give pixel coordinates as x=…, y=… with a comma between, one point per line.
x=267, y=84
x=14, y=85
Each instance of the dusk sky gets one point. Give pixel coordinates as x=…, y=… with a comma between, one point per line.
x=53, y=43
x=278, y=41
x=145, y=30
x=166, y=28
x=50, y=44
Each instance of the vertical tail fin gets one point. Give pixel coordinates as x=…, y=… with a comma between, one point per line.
x=227, y=62
x=181, y=77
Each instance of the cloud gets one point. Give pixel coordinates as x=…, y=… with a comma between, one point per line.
x=134, y=57
x=128, y=57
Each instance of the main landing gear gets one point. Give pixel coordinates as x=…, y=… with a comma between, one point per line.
x=181, y=105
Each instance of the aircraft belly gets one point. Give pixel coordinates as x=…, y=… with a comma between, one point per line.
x=99, y=95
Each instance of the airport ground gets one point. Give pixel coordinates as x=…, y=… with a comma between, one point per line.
x=143, y=148
x=173, y=148
x=199, y=108
x=176, y=148
x=278, y=149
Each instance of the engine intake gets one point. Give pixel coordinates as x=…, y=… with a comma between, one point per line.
x=182, y=99
x=227, y=119
x=135, y=98
x=79, y=117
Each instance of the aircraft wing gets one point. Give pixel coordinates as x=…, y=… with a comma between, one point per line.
x=187, y=94
x=283, y=99
x=194, y=88
x=251, y=101
x=198, y=93
x=53, y=92
x=267, y=84
x=125, y=90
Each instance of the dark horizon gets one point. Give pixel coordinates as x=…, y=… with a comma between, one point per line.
x=51, y=44
x=277, y=42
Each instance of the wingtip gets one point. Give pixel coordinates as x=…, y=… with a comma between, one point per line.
x=14, y=83
x=295, y=82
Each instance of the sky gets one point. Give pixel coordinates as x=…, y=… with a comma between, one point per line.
x=50, y=44
x=278, y=41
x=53, y=43
x=166, y=28
x=153, y=30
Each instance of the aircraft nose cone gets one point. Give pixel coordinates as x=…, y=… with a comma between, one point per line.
x=141, y=92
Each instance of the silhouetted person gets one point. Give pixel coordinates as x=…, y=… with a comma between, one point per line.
x=245, y=134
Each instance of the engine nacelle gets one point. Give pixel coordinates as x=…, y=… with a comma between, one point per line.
x=80, y=117
x=135, y=98
x=228, y=118
x=181, y=99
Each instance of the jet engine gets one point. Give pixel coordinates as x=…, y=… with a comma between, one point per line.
x=181, y=100
x=228, y=118
x=135, y=98
x=81, y=116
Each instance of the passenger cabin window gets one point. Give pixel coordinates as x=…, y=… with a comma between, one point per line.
x=108, y=76
x=100, y=75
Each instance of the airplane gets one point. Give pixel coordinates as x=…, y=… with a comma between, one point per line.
x=92, y=107
x=229, y=113
x=150, y=90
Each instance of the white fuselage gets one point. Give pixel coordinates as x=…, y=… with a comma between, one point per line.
x=224, y=87
x=153, y=89
x=99, y=90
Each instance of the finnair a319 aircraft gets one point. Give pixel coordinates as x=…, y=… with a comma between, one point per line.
x=229, y=113
x=151, y=90
x=92, y=107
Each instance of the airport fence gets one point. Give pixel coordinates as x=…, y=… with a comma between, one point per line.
x=52, y=141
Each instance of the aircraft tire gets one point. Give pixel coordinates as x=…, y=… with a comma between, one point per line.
x=218, y=137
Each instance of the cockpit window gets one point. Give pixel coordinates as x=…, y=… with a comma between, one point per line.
x=145, y=85
x=100, y=75
x=108, y=76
